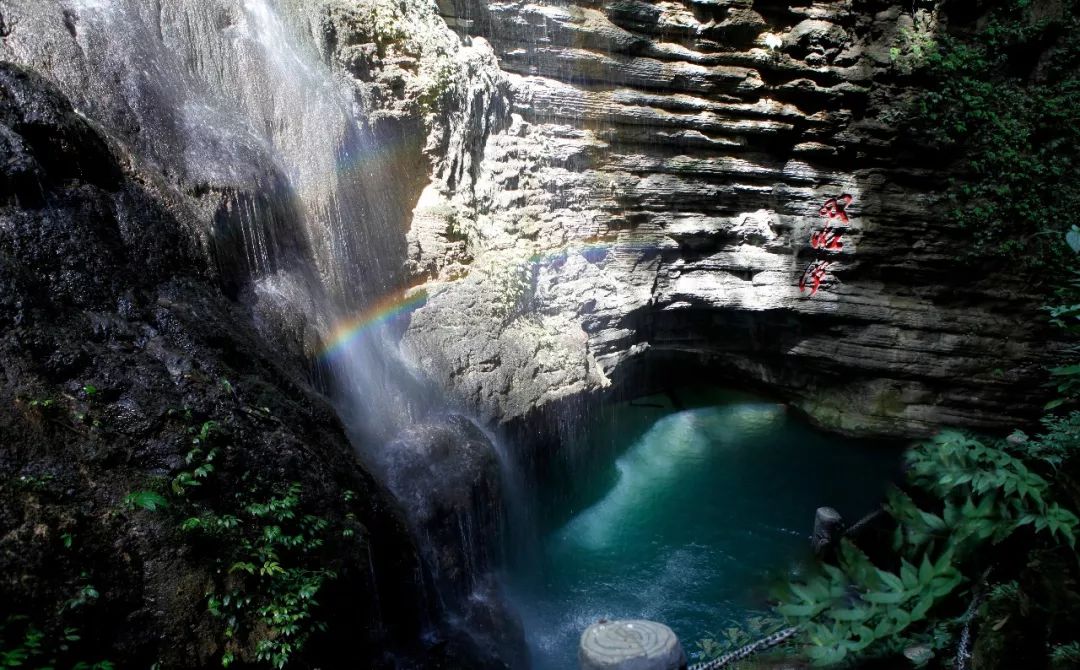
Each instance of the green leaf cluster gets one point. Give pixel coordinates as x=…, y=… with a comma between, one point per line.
x=1014, y=119
x=913, y=46
x=1059, y=442
x=738, y=634
x=852, y=605
x=986, y=493
x=266, y=588
x=268, y=553
x=147, y=500
x=1064, y=656
x=23, y=646
x=854, y=608
x=200, y=459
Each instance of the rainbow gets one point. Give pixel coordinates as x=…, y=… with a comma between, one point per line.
x=407, y=300
x=381, y=311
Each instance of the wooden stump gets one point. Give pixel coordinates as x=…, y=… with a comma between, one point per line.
x=630, y=645
x=828, y=529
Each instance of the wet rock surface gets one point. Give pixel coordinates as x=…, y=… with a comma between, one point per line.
x=114, y=339
x=216, y=109
x=445, y=472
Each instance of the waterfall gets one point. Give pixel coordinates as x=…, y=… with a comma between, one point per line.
x=325, y=147
x=235, y=105
x=232, y=101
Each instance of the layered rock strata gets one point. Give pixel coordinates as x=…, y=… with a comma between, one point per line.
x=643, y=190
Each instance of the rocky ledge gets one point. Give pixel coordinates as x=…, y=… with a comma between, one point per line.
x=644, y=186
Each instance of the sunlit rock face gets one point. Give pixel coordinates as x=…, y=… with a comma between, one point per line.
x=588, y=189
x=642, y=187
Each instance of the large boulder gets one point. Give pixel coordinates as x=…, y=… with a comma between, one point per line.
x=446, y=473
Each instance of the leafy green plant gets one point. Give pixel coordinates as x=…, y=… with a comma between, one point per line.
x=850, y=606
x=738, y=634
x=265, y=548
x=1016, y=131
x=266, y=588
x=1065, y=656
x=441, y=75
x=24, y=645
x=85, y=595
x=913, y=46
x=201, y=457
x=1059, y=443
x=984, y=494
x=36, y=483
x=27, y=647
x=147, y=500
x=987, y=493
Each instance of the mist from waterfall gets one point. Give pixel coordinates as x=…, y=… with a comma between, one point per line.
x=322, y=144
x=231, y=97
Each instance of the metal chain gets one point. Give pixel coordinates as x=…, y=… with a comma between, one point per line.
x=749, y=650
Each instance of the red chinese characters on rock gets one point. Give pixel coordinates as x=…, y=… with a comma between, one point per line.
x=813, y=275
x=827, y=239
x=835, y=208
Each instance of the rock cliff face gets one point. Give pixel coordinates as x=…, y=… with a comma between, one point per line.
x=114, y=341
x=642, y=183
x=276, y=150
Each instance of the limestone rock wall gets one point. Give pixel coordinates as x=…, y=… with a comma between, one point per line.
x=599, y=187
x=643, y=181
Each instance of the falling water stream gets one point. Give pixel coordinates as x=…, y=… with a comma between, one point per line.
x=234, y=102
